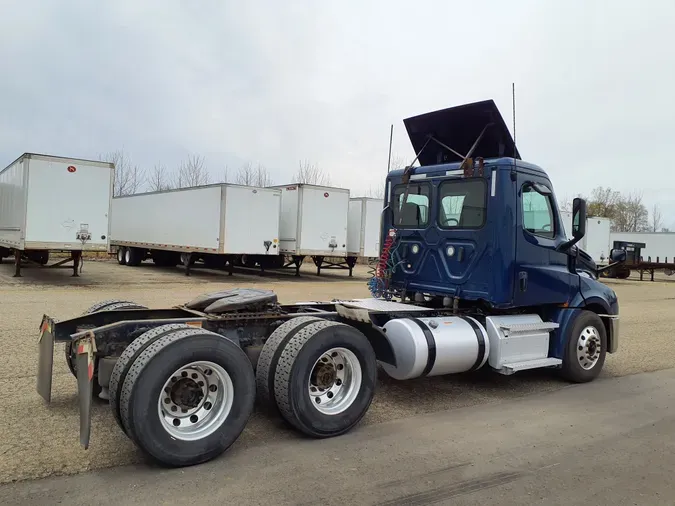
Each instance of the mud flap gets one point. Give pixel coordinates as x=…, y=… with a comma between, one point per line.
x=45, y=358
x=85, y=374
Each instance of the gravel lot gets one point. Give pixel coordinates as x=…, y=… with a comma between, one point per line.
x=37, y=441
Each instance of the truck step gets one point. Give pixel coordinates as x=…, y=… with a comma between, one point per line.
x=522, y=328
x=508, y=369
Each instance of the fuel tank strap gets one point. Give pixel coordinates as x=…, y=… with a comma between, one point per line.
x=431, y=345
x=480, y=339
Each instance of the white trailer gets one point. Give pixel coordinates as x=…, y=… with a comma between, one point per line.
x=596, y=242
x=214, y=223
x=363, y=227
x=50, y=203
x=314, y=223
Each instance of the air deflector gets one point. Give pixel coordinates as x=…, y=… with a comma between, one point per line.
x=458, y=128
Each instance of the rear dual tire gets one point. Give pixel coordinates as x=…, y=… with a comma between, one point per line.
x=106, y=305
x=182, y=394
x=319, y=375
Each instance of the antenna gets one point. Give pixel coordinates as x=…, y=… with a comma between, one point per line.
x=513, y=95
x=391, y=138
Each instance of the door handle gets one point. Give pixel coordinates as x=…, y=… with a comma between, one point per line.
x=522, y=280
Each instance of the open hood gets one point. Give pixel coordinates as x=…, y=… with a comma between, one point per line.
x=459, y=128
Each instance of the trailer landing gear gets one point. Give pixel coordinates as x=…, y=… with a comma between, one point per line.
x=321, y=263
x=77, y=258
x=17, y=263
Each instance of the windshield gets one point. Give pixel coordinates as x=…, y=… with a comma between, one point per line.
x=462, y=203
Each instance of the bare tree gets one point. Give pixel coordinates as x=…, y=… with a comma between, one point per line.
x=310, y=173
x=128, y=178
x=250, y=176
x=159, y=179
x=657, y=219
x=376, y=192
x=631, y=215
x=262, y=176
x=397, y=162
x=226, y=175
x=246, y=174
x=192, y=172
x=604, y=202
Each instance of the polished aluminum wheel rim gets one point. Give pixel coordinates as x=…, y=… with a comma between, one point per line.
x=588, y=348
x=335, y=381
x=127, y=255
x=196, y=400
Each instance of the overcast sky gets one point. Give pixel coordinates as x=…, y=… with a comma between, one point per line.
x=274, y=82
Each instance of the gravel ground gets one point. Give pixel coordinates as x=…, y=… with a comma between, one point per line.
x=37, y=441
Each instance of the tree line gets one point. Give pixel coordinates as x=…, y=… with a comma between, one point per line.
x=130, y=178
x=627, y=212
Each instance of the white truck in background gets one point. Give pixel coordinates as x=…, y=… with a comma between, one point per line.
x=213, y=223
x=51, y=203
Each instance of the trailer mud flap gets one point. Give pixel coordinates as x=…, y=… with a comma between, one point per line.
x=85, y=375
x=45, y=358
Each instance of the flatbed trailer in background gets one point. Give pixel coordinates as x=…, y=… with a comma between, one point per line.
x=635, y=261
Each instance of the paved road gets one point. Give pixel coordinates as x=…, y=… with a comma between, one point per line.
x=608, y=442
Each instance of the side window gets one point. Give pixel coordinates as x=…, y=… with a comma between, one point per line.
x=538, y=218
x=414, y=212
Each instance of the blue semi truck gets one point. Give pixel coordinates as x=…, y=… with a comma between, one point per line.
x=475, y=271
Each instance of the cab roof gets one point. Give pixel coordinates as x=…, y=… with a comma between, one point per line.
x=504, y=163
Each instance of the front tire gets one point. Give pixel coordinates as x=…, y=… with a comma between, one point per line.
x=325, y=379
x=586, y=348
x=187, y=397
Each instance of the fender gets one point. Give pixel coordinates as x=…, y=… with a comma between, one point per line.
x=608, y=310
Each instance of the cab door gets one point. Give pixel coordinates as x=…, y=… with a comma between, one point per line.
x=542, y=274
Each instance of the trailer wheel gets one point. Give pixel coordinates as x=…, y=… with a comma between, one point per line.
x=109, y=305
x=586, y=348
x=269, y=357
x=121, y=255
x=325, y=379
x=133, y=257
x=130, y=353
x=187, y=397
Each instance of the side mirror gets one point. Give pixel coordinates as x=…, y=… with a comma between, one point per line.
x=617, y=255
x=578, y=218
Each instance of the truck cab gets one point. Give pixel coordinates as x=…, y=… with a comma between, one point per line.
x=475, y=226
